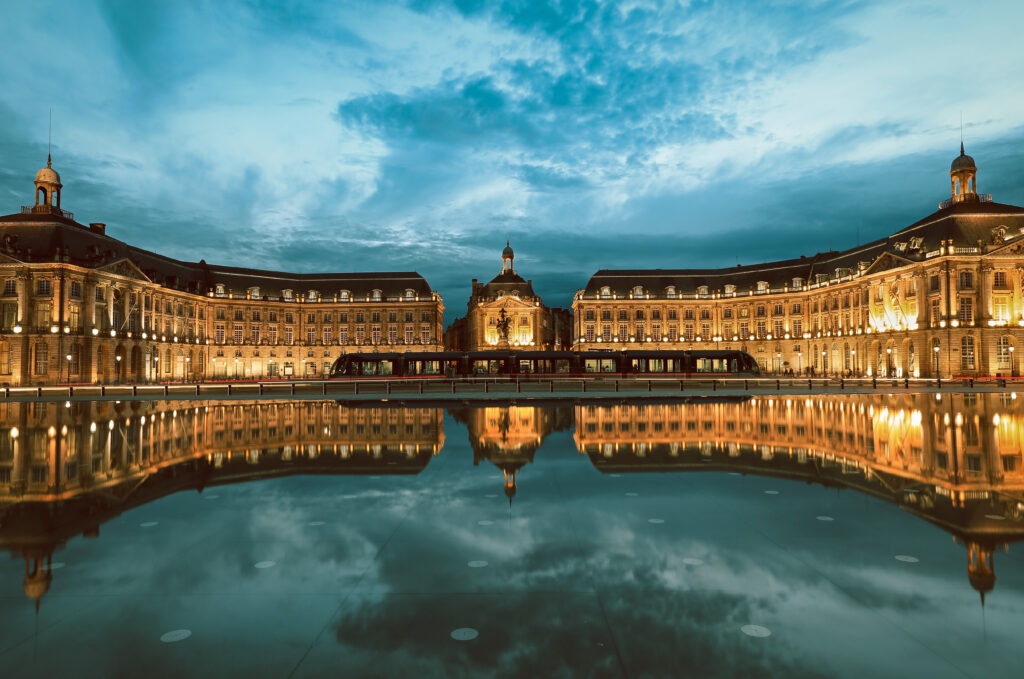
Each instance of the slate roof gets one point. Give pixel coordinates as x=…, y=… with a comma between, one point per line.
x=50, y=238
x=965, y=223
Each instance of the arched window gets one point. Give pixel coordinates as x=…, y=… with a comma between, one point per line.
x=967, y=353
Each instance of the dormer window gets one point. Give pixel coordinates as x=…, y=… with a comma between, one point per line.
x=345, y=296
x=515, y=293
x=375, y=295
x=702, y=292
x=901, y=246
x=287, y=294
x=762, y=286
x=798, y=283
x=670, y=292
x=916, y=242
x=821, y=278
x=730, y=289
x=638, y=291
x=220, y=290
x=254, y=292
x=312, y=296
x=606, y=292
x=410, y=294
x=501, y=293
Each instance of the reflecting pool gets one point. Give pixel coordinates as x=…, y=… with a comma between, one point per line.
x=821, y=537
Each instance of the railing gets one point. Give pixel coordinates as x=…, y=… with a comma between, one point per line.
x=982, y=198
x=46, y=210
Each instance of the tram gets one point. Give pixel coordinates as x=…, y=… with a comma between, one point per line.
x=663, y=362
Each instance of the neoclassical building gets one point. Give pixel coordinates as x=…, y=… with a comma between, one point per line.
x=80, y=306
x=941, y=297
x=506, y=313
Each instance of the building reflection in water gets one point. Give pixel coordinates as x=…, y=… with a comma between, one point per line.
x=951, y=459
x=64, y=471
x=508, y=436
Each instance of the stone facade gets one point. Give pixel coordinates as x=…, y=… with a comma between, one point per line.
x=79, y=306
x=506, y=313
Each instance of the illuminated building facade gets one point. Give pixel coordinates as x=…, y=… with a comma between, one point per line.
x=954, y=460
x=506, y=313
x=943, y=296
x=80, y=306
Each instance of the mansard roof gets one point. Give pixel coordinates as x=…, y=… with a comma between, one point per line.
x=507, y=282
x=967, y=224
x=52, y=238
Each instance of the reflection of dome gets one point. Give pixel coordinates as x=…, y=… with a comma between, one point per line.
x=963, y=161
x=37, y=580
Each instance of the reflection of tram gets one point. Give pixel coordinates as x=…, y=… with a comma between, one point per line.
x=668, y=363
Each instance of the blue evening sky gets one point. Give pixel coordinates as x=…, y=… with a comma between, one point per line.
x=419, y=134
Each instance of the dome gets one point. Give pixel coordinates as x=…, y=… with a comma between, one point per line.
x=507, y=252
x=47, y=175
x=963, y=161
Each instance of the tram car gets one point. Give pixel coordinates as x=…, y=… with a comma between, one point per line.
x=661, y=363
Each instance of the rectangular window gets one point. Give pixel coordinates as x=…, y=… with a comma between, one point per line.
x=76, y=289
x=75, y=316
x=238, y=334
x=936, y=313
x=289, y=334
x=705, y=330
x=255, y=332
x=933, y=284
x=967, y=353
x=42, y=359
x=392, y=334
x=360, y=334
x=44, y=287
x=218, y=334
x=744, y=330
x=966, y=280
x=640, y=334
x=798, y=328
x=310, y=335
x=656, y=331
x=590, y=333
x=409, y=334
x=999, y=279
x=673, y=333
x=375, y=334
x=966, y=311
x=779, y=330
x=10, y=287
x=606, y=333
x=328, y=335
x=688, y=332
x=1001, y=309
x=272, y=334
x=425, y=334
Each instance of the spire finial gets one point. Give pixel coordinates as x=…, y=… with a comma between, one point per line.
x=49, y=139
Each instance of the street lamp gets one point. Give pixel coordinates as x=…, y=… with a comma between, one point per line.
x=117, y=358
x=853, y=360
x=799, y=366
x=188, y=366
x=936, y=350
x=68, y=357
x=156, y=368
x=1013, y=366
x=888, y=362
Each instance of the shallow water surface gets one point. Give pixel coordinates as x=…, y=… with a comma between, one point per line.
x=836, y=537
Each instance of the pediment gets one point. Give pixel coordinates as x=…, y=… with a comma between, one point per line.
x=509, y=302
x=887, y=261
x=127, y=268
x=8, y=259
x=1014, y=247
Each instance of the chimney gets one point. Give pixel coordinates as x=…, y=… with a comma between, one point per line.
x=98, y=227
